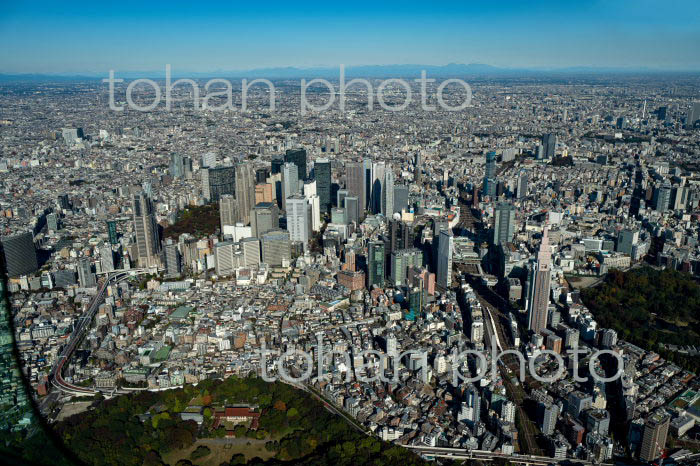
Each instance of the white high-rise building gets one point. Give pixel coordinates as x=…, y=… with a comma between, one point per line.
x=251, y=252
x=226, y=261
x=290, y=182
x=299, y=219
x=388, y=193
x=315, y=206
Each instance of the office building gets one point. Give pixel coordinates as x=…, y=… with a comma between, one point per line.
x=173, y=259
x=401, y=261
x=375, y=263
x=388, y=193
x=245, y=190
x=626, y=240
x=298, y=158
x=228, y=211
x=264, y=192
x=19, y=254
x=356, y=184
x=218, y=181
x=503, y=223
x=299, y=219
x=86, y=276
x=276, y=247
x=352, y=209
x=400, y=198
x=598, y=422
x=106, y=258
x=490, y=176
x=225, y=256
x=146, y=230
x=377, y=186
x=693, y=115
x=322, y=175
x=112, y=232
x=522, y=184
x=251, y=252
x=549, y=145
x=180, y=166
x=52, y=222
x=290, y=182
x=263, y=218
x=539, y=286
x=444, y=265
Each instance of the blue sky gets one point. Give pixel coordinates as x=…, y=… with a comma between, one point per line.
x=95, y=36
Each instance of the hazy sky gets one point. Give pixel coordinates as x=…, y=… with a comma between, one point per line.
x=95, y=36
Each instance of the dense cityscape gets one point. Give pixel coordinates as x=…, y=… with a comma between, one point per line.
x=155, y=250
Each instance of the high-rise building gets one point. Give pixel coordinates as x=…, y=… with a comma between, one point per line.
x=548, y=417
x=626, y=240
x=539, y=287
x=388, y=193
x=276, y=247
x=472, y=405
x=264, y=192
x=352, y=209
x=315, y=212
x=276, y=164
x=444, y=263
x=218, y=181
x=263, y=218
x=490, y=175
x=377, y=192
x=229, y=213
x=112, y=232
x=355, y=179
x=503, y=223
x=52, y=222
x=245, y=190
x=106, y=258
x=251, y=252
x=209, y=160
x=290, y=182
x=146, y=229
x=693, y=115
x=19, y=254
x=86, y=277
x=401, y=260
x=322, y=174
x=549, y=145
x=298, y=158
x=339, y=216
x=173, y=259
x=340, y=198
x=226, y=260
x=654, y=437
x=662, y=197
x=522, y=184
x=180, y=166
x=299, y=219
x=400, y=197
x=375, y=263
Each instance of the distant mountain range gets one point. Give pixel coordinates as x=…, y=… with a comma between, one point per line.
x=368, y=71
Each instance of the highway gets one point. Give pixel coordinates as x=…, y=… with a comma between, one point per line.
x=463, y=454
x=81, y=327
